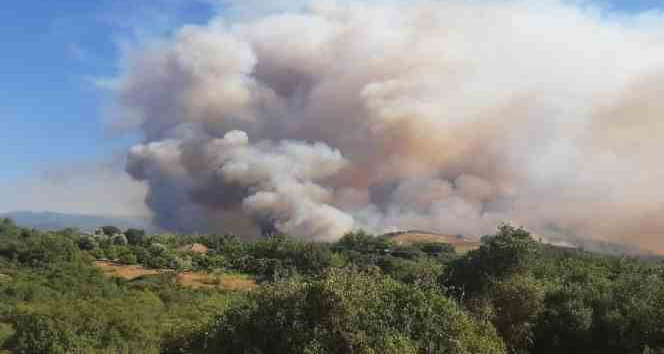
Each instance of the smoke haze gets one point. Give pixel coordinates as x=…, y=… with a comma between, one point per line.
x=97, y=187
x=449, y=117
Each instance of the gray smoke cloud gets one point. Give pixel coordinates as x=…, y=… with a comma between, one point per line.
x=444, y=116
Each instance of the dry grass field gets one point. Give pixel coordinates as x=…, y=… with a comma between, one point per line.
x=194, y=280
x=199, y=280
x=461, y=244
x=128, y=272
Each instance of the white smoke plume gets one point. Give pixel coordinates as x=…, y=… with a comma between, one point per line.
x=444, y=116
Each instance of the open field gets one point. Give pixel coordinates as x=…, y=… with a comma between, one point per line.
x=461, y=244
x=194, y=280
x=199, y=280
x=128, y=272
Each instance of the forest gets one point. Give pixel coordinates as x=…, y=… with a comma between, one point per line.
x=362, y=294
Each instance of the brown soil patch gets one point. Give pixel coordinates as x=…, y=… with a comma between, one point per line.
x=194, y=280
x=128, y=272
x=195, y=248
x=198, y=280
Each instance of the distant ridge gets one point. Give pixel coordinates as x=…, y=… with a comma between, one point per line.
x=46, y=221
x=597, y=246
x=460, y=242
x=463, y=243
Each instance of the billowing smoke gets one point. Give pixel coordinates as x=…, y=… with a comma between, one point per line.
x=447, y=116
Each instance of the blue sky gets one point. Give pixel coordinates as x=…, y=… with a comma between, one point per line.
x=50, y=112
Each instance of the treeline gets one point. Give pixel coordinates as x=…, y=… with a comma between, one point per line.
x=268, y=259
x=362, y=294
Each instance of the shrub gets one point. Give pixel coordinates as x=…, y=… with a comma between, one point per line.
x=110, y=230
x=119, y=240
x=346, y=312
x=135, y=236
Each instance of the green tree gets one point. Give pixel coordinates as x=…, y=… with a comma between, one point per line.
x=110, y=230
x=510, y=251
x=346, y=312
x=135, y=236
x=436, y=249
x=119, y=240
x=39, y=334
x=87, y=243
x=518, y=302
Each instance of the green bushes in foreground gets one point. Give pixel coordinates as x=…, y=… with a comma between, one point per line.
x=362, y=294
x=345, y=311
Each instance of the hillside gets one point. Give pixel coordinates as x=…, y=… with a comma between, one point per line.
x=464, y=244
x=598, y=246
x=461, y=243
x=205, y=294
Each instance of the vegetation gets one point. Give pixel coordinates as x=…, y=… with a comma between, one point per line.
x=361, y=294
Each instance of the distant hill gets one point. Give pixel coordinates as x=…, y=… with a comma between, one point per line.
x=464, y=244
x=56, y=221
x=46, y=220
x=597, y=246
x=461, y=243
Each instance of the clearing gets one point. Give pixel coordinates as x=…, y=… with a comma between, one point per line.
x=460, y=243
x=194, y=280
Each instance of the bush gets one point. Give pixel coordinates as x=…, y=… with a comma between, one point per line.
x=510, y=251
x=135, y=236
x=39, y=334
x=208, y=262
x=435, y=249
x=364, y=243
x=90, y=326
x=87, y=243
x=44, y=249
x=110, y=230
x=126, y=255
x=346, y=312
x=6, y=333
x=119, y=240
x=518, y=302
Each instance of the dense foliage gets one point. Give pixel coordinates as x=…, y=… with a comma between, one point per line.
x=362, y=294
x=346, y=312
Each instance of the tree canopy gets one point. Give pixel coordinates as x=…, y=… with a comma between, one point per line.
x=362, y=294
